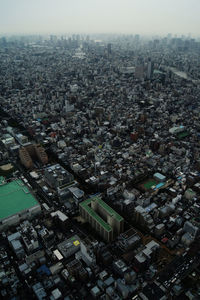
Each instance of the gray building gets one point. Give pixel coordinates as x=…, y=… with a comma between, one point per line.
x=56, y=176
x=69, y=246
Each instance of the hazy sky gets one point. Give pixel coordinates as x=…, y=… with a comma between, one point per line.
x=100, y=16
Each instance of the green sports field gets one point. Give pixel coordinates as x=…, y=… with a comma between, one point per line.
x=14, y=198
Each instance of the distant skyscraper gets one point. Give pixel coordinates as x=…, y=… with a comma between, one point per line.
x=137, y=38
x=109, y=48
x=139, y=72
x=169, y=36
x=149, y=69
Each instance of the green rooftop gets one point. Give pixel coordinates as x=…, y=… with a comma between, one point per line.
x=86, y=204
x=14, y=198
x=109, y=209
x=182, y=135
x=149, y=184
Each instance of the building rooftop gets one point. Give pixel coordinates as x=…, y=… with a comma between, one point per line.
x=69, y=246
x=14, y=197
x=109, y=209
x=85, y=204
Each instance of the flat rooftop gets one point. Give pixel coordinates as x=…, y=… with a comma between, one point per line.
x=69, y=246
x=14, y=198
x=86, y=204
x=111, y=211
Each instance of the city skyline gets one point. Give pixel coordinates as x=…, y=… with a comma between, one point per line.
x=94, y=16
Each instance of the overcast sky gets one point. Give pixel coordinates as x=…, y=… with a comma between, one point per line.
x=100, y=16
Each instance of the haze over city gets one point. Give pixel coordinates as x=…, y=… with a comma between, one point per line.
x=99, y=149
x=95, y=16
